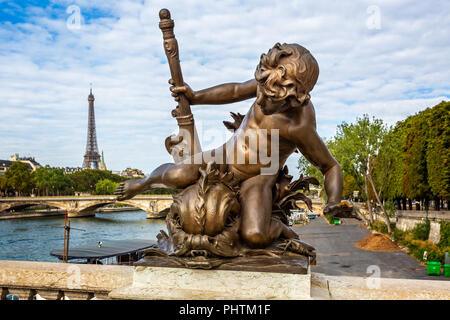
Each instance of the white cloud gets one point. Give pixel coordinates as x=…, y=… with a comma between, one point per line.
x=46, y=68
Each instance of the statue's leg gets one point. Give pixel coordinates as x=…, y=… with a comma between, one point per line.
x=258, y=228
x=168, y=175
x=171, y=175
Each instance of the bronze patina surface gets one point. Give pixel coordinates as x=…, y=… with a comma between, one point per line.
x=229, y=213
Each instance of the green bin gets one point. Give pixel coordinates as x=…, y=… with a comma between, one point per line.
x=336, y=221
x=447, y=270
x=434, y=268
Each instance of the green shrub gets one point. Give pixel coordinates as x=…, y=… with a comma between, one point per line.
x=417, y=239
x=380, y=226
x=417, y=248
x=444, y=241
x=329, y=218
x=422, y=230
x=399, y=235
x=389, y=206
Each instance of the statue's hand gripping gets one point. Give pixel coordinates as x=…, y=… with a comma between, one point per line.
x=185, y=89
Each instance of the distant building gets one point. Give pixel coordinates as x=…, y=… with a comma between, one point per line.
x=132, y=173
x=69, y=170
x=102, y=165
x=30, y=161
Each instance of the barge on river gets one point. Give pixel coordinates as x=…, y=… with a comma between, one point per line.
x=124, y=252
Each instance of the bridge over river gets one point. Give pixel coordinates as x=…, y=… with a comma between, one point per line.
x=156, y=206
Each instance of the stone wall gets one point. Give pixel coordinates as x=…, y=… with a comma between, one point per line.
x=55, y=280
x=317, y=205
x=372, y=288
x=27, y=279
x=408, y=219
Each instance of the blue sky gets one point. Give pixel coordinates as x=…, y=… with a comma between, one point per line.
x=385, y=58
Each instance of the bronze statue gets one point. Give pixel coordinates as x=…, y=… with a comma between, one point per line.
x=234, y=204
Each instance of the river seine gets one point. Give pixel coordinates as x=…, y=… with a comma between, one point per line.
x=32, y=239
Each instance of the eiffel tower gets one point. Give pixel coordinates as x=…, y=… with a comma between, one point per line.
x=91, y=157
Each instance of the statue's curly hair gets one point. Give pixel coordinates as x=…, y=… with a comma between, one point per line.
x=287, y=70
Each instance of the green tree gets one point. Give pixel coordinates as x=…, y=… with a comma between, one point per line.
x=308, y=170
x=85, y=180
x=350, y=186
x=415, y=179
x=354, y=147
x=5, y=189
x=105, y=186
x=389, y=168
x=18, y=178
x=413, y=159
x=438, y=150
x=51, y=181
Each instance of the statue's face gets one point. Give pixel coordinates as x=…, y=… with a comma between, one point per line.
x=269, y=104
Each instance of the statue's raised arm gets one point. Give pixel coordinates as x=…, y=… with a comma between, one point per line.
x=220, y=94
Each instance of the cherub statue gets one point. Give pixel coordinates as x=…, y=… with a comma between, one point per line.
x=284, y=78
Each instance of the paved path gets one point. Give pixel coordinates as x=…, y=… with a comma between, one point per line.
x=337, y=254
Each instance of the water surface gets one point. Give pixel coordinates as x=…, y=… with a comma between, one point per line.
x=32, y=239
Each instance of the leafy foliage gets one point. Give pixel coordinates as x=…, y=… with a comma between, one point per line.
x=381, y=226
x=354, y=145
x=422, y=230
x=444, y=240
x=18, y=178
x=413, y=160
x=389, y=167
x=350, y=185
x=415, y=179
x=308, y=170
x=105, y=187
x=438, y=151
x=416, y=240
x=86, y=180
x=52, y=181
x=329, y=218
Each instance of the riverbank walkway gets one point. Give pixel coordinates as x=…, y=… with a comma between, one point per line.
x=337, y=254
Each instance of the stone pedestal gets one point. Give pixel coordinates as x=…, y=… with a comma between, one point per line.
x=163, y=283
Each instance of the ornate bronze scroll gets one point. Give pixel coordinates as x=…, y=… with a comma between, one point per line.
x=186, y=143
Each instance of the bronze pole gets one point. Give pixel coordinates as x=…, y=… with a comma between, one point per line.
x=182, y=112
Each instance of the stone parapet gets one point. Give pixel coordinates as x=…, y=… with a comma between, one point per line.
x=52, y=280
x=372, y=288
x=49, y=280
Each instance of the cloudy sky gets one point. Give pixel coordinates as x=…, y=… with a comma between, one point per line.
x=389, y=59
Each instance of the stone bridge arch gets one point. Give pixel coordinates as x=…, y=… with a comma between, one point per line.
x=156, y=207
x=21, y=205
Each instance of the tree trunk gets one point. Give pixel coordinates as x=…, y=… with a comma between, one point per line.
x=386, y=217
x=438, y=204
x=359, y=214
x=369, y=207
x=409, y=204
x=399, y=204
